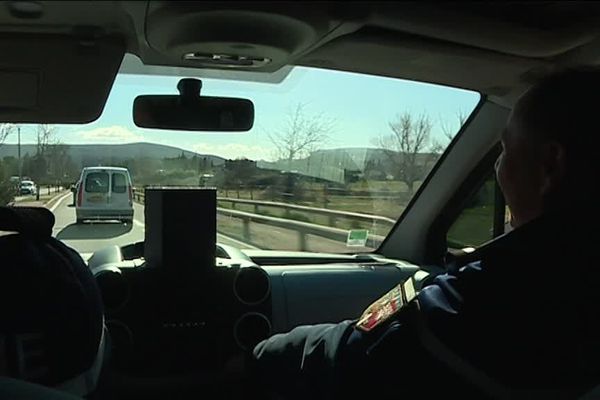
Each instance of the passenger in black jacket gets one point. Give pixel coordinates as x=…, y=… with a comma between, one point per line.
x=517, y=318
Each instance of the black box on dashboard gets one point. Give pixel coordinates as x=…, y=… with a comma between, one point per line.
x=181, y=227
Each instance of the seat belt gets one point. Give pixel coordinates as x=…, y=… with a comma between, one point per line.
x=456, y=363
x=473, y=375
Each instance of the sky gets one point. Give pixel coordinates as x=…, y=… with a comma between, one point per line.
x=360, y=106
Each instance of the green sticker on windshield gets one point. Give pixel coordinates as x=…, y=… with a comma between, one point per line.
x=357, y=237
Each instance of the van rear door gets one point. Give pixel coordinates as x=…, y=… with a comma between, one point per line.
x=120, y=197
x=96, y=186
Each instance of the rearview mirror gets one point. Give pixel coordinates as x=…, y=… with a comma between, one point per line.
x=191, y=112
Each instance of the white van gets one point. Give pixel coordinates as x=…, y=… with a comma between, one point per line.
x=104, y=193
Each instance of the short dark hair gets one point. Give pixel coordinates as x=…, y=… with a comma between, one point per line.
x=565, y=107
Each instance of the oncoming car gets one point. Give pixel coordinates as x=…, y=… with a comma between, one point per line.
x=104, y=193
x=27, y=188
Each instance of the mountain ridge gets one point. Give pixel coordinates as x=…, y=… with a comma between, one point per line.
x=91, y=153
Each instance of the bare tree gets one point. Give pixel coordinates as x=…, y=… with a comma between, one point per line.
x=59, y=162
x=449, y=129
x=6, y=188
x=301, y=135
x=40, y=163
x=5, y=130
x=409, y=147
x=45, y=137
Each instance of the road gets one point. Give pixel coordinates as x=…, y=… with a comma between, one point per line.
x=90, y=237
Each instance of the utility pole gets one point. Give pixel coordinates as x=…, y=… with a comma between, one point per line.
x=19, y=152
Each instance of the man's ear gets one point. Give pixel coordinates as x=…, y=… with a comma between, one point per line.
x=554, y=164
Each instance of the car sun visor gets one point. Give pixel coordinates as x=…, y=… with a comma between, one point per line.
x=56, y=79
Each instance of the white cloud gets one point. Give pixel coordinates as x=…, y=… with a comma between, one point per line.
x=235, y=150
x=111, y=134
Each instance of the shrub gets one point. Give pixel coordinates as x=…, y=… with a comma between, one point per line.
x=7, y=189
x=6, y=193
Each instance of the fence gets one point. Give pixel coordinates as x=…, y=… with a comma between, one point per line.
x=49, y=189
x=302, y=228
x=326, y=192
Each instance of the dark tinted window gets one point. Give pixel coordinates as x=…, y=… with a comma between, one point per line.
x=96, y=182
x=119, y=183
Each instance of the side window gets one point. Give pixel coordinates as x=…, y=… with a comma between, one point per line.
x=482, y=219
x=119, y=183
x=96, y=182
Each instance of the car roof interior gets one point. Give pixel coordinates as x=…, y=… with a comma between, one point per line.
x=497, y=49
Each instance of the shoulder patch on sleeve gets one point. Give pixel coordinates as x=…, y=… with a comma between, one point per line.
x=388, y=306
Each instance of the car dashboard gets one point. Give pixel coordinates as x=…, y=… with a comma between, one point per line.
x=170, y=331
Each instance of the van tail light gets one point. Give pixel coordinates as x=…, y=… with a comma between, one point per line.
x=80, y=195
x=130, y=195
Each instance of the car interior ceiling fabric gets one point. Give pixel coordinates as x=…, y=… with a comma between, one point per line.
x=51, y=314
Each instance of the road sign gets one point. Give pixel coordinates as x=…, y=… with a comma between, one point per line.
x=357, y=237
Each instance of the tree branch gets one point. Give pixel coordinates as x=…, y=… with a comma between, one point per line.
x=5, y=131
x=302, y=134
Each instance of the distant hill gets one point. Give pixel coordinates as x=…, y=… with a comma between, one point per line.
x=328, y=164
x=90, y=154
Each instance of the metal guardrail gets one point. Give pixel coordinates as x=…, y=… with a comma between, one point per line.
x=139, y=196
x=49, y=189
x=303, y=229
x=332, y=214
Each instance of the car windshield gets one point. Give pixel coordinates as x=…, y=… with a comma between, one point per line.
x=331, y=163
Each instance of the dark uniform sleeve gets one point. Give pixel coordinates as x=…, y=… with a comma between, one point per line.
x=339, y=360
x=301, y=362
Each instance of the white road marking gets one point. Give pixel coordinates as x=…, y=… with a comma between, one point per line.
x=60, y=200
x=141, y=225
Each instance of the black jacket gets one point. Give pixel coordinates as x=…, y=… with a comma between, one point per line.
x=522, y=313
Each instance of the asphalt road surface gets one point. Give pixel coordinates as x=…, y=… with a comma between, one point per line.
x=89, y=237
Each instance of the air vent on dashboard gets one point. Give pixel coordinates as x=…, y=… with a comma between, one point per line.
x=250, y=329
x=251, y=285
